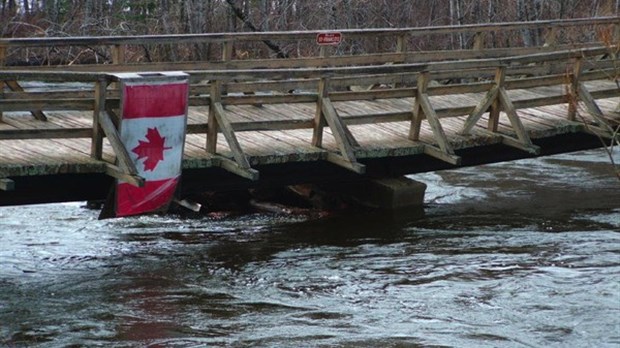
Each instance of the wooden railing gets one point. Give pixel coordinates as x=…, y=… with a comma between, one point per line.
x=492, y=77
x=556, y=33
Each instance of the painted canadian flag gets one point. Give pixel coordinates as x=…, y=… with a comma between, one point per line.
x=154, y=118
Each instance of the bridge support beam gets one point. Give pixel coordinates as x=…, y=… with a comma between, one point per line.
x=399, y=193
x=7, y=184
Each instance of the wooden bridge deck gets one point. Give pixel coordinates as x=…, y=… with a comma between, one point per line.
x=54, y=156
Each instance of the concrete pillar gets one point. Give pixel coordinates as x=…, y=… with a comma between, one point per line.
x=388, y=194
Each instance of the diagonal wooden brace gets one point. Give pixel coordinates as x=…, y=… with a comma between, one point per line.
x=15, y=87
x=242, y=164
x=126, y=169
x=326, y=114
x=523, y=140
x=219, y=122
x=480, y=109
x=592, y=107
x=343, y=137
x=497, y=98
x=423, y=109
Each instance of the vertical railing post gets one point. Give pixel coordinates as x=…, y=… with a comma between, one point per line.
x=500, y=77
x=118, y=54
x=417, y=112
x=401, y=46
x=479, y=41
x=323, y=51
x=215, y=96
x=227, y=54
x=227, y=51
x=118, y=58
x=319, y=119
x=2, y=63
x=551, y=37
x=96, y=148
x=573, y=89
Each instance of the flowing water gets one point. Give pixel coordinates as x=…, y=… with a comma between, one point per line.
x=520, y=254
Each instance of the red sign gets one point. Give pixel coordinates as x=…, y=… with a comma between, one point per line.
x=331, y=38
x=154, y=117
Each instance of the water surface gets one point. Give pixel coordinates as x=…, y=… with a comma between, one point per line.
x=520, y=254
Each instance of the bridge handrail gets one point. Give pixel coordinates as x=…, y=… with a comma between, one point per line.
x=323, y=72
x=298, y=35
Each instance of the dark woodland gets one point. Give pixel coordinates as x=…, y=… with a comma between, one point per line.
x=65, y=18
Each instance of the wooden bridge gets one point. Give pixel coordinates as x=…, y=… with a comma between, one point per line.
x=310, y=118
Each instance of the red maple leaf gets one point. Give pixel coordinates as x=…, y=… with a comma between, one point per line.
x=152, y=150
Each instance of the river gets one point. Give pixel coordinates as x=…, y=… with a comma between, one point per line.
x=519, y=254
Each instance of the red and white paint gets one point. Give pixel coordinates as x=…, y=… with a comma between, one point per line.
x=154, y=118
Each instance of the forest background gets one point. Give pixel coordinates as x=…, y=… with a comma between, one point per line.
x=54, y=18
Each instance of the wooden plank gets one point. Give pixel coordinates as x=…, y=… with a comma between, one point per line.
x=372, y=94
x=46, y=104
x=45, y=133
x=55, y=94
x=268, y=99
x=270, y=125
